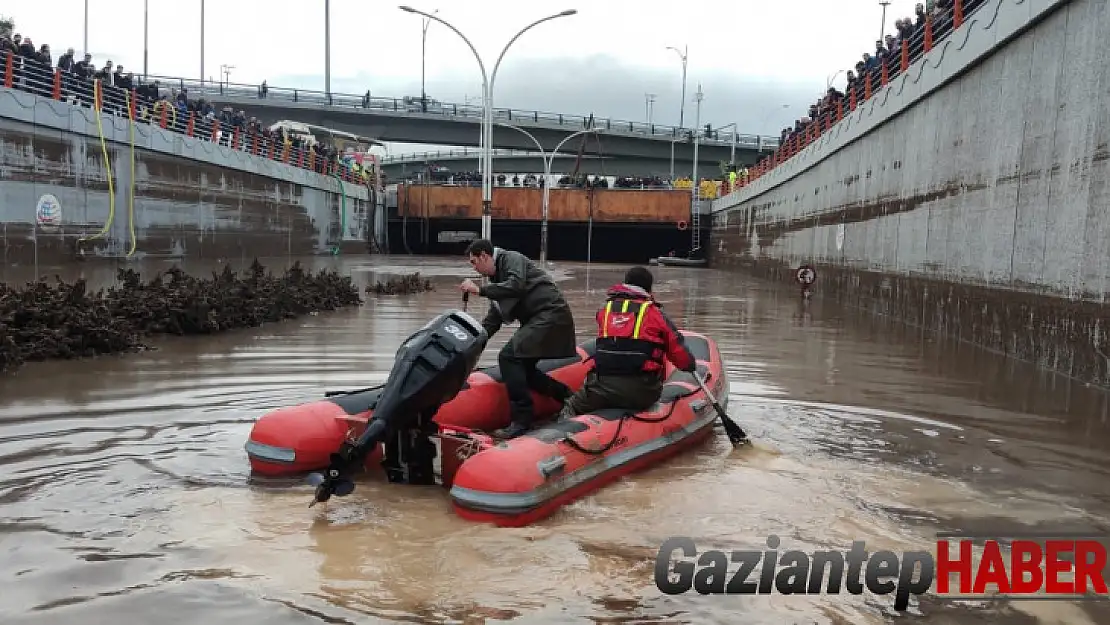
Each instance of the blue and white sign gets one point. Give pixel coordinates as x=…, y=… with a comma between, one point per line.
x=48, y=212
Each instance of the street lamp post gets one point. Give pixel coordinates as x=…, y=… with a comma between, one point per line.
x=694, y=179
x=225, y=70
x=202, y=45
x=423, y=53
x=487, y=104
x=673, y=141
x=682, y=55
x=735, y=137
x=146, y=38
x=882, y=31
x=327, y=50
x=548, y=160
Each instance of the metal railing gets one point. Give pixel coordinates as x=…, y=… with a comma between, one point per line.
x=418, y=157
x=936, y=28
x=144, y=103
x=536, y=181
x=435, y=109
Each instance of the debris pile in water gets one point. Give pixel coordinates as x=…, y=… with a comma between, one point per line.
x=44, y=321
x=402, y=285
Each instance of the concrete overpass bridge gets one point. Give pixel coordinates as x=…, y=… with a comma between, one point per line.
x=531, y=162
x=407, y=120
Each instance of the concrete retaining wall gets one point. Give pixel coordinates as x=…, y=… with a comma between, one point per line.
x=190, y=197
x=969, y=196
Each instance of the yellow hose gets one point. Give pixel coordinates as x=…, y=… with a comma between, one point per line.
x=98, y=90
x=131, y=195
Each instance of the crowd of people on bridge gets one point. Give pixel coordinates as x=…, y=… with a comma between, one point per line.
x=31, y=68
x=437, y=174
x=932, y=22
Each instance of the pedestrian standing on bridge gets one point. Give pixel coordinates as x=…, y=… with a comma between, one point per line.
x=521, y=290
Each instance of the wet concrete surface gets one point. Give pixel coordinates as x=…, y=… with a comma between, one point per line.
x=124, y=493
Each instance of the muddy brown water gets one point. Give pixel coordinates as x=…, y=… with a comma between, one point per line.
x=124, y=493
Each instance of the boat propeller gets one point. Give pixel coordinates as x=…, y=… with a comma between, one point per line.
x=331, y=484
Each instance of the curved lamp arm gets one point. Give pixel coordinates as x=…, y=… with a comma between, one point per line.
x=481, y=65
x=539, y=146
x=573, y=135
x=496, y=65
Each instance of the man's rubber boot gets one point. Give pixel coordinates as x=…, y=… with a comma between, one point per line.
x=563, y=392
x=515, y=429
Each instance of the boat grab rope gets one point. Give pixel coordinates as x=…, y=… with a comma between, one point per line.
x=98, y=94
x=616, y=435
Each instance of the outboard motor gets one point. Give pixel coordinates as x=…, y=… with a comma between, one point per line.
x=431, y=367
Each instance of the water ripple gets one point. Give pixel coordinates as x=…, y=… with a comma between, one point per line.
x=125, y=494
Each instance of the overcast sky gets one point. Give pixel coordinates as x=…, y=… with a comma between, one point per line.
x=751, y=57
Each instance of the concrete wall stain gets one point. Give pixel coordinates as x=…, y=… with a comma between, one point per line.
x=191, y=198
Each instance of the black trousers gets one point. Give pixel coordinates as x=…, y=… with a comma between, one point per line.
x=521, y=376
x=633, y=392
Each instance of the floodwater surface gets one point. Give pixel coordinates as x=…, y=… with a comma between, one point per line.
x=124, y=491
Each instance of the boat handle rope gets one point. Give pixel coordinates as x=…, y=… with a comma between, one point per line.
x=616, y=435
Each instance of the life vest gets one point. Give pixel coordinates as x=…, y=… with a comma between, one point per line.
x=623, y=346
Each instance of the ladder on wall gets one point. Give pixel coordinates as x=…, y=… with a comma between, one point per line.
x=695, y=220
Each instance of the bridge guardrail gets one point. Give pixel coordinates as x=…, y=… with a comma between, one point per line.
x=468, y=111
x=935, y=28
x=35, y=77
x=477, y=182
x=416, y=157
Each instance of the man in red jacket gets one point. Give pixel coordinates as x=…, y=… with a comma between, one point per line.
x=634, y=340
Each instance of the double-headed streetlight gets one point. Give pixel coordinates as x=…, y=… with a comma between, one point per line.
x=548, y=159
x=487, y=105
x=735, y=138
x=682, y=55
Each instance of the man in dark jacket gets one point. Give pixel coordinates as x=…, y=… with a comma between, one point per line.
x=634, y=338
x=519, y=290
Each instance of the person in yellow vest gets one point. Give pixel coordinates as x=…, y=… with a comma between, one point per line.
x=635, y=339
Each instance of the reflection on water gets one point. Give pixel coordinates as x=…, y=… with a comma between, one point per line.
x=124, y=494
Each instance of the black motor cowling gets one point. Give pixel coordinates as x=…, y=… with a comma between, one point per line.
x=430, y=369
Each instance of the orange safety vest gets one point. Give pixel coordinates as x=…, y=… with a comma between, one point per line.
x=624, y=345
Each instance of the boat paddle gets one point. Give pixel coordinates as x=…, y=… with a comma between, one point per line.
x=735, y=433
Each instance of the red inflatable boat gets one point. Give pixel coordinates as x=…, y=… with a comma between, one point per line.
x=426, y=425
x=521, y=481
x=298, y=439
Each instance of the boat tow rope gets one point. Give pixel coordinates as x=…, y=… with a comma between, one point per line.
x=616, y=435
x=736, y=435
